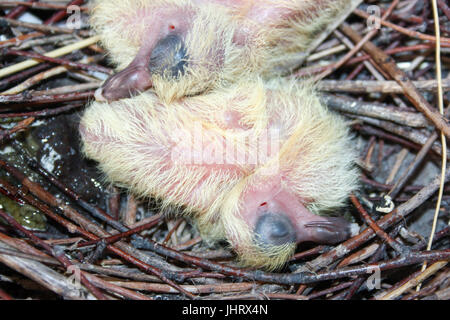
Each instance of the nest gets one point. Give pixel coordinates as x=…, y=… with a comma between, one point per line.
x=65, y=233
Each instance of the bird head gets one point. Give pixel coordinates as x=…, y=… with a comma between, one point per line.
x=177, y=48
x=185, y=48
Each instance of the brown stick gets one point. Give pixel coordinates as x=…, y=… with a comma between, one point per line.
x=411, y=33
x=369, y=86
x=388, y=64
x=394, y=217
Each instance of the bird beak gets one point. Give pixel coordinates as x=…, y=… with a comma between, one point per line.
x=285, y=221
x=133, y=79
x=329, y=230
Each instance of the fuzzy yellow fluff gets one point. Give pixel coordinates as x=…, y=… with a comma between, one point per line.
x=226, y=40
x=213, y=58
x=158, y=150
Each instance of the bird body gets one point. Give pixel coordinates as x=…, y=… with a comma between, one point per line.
x=251, y=157
x=260, y=164
x=188, y=47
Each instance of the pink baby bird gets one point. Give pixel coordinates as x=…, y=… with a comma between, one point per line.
x=263, y=165
x=188, y=47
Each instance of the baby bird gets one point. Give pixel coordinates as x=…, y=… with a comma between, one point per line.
x=263, y=165
x=188, y=47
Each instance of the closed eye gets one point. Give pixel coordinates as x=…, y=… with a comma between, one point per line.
x=169, y=57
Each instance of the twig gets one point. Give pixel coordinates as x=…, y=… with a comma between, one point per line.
x=370, y=86
x=59, y=256
x=413, y=280
x=43, y=113
x=43, y=275
x=52, y=54
x=388, y=64
x=374, y=110
x=195, y=289
x=296, y=278
x=357, y=47
x=410, y=33
x=19, y=127
x=112, y=287
x=47, y=74
x=357, y=283
x=394, y=217
x=418, y=138
x=35, y=26
x=43, y=99
x=398, y=186
x=120, y=236
x=339, y=287
x=18, y=11
x=443, y=140
x=59, y=15
x=119, y=248
x=5, y=296
x=380, y=233
x=63, y=62
x=36, y=5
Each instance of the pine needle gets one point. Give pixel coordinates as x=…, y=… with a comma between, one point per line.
x=443, y=140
